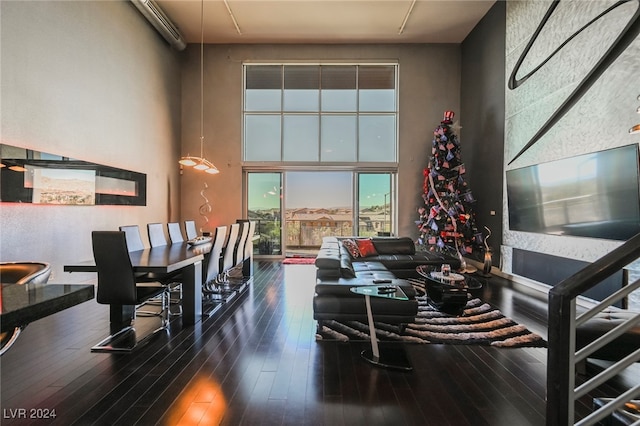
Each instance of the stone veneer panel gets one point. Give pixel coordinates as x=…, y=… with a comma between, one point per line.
x=598, y=121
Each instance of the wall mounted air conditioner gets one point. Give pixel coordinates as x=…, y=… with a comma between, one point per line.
x=161, y=22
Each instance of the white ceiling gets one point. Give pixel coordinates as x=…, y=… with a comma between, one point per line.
x=326, y=21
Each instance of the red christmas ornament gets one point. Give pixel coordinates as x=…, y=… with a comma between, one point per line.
x=448, y=117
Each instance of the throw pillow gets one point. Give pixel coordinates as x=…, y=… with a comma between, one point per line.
x=366, y=248
x=352, y=247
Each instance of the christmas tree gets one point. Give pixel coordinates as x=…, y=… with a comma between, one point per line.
x=447, y=220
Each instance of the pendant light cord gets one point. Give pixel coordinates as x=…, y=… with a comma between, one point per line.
x=202, y=79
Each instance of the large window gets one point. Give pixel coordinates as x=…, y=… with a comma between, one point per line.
x=296, y=209
x=320, y=113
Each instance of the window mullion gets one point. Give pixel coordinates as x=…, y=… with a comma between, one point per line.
x=358, y=113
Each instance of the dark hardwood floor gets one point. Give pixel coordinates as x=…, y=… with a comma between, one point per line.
x=257, y=362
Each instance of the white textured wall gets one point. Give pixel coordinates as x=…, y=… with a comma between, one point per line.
x=93, y=81
x=600, y=120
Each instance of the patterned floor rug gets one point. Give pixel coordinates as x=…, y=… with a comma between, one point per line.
x=479, y=324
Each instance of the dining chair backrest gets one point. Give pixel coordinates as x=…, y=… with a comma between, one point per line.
x=116, y=281
x=244, y=232
x=175, y=233
x=190, y=228
x=133, y=237
x=24, y=272
x=248, y=246
x=156, y=235
x=213, y=268
x=229, y=249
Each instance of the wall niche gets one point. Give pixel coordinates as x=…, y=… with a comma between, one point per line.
x=29, y=176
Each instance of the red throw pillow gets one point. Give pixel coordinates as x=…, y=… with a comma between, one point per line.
x=366, y=248
x=351, y=247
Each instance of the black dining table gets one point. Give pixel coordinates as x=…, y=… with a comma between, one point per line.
x=181, y=257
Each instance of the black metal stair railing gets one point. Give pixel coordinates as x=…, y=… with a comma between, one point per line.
x=562, y=356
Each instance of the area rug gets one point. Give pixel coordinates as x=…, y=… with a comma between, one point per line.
x=479, y=324
x=299, y=261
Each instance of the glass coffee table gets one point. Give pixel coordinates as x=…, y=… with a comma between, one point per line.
x=388, y=357
x=448, y=292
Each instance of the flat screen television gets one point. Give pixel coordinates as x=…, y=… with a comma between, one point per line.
x=593, y=195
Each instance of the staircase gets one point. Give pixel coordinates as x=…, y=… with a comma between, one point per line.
x=562, y=358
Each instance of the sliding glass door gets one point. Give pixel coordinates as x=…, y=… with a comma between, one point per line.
x=375, y=212
x=296, y=209
x=317, y=204
x=264, y=205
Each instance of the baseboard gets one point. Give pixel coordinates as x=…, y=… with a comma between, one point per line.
x=529, y=285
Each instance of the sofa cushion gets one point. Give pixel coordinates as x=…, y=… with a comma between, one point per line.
x=366, y=247
x=352, y=247
x=369, y=266
x=328, y=259
x=394, y=245
x=406, y=261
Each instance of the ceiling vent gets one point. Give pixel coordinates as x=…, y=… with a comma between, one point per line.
x=161, y=22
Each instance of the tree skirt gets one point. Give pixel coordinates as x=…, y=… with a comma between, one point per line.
x=480, y=324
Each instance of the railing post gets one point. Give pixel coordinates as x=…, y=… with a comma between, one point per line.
x=560, y=359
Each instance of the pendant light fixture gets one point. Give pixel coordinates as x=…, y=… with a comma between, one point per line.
x=200, y=163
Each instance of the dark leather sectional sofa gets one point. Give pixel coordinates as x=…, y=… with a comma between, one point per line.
x=337, y=271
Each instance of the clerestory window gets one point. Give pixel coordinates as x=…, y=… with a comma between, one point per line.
x=327, y=113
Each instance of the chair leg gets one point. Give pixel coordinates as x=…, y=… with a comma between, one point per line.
x=177, y=289
x=125, y=340
x=174, y=288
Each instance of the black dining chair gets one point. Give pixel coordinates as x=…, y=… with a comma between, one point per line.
x=190, y=229
x=23, y=273
x=118, y=287
x=175, y=233
x=212, y=279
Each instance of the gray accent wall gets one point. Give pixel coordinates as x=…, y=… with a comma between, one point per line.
x=482, y=120
x=90, y=80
